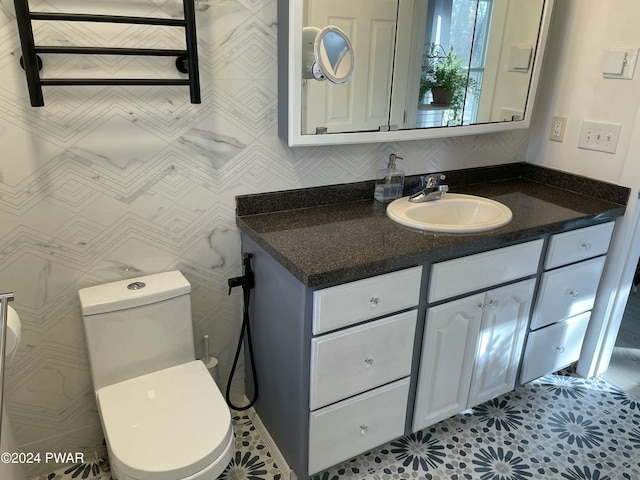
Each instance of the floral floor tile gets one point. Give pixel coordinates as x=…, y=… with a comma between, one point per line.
x=559, y=427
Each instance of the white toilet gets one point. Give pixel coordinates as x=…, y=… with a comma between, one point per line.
x=163, y=416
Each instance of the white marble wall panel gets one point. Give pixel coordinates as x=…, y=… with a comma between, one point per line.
x=110, y=183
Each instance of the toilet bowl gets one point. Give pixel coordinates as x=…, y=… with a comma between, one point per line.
x=163, y=416
x=166, y=425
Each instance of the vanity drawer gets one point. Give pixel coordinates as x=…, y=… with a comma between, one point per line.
x=341, y=431
x=554, y=347
x=351, y=303
x=482, y=270
x=576, y=245
x=567, y=291
x=360, y=358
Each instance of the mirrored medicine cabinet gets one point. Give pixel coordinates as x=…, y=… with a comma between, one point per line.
x=483, y=55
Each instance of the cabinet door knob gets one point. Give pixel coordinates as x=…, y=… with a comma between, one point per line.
x=368, y=362
x=585, y=245
x=364, y=429
x=560, y=349
x=374, y=301
x=493, y=303
x=573, y=294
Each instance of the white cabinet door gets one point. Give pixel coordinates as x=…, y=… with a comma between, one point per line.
x=348, y=428
x=350, y=303
x=554, y=347
x=567, y=291
x=502, y=335
x=446, y=365
x=362, y=103
x=483, y=270
x=350, y=361
x=578, y=245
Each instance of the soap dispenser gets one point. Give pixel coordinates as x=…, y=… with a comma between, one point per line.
x=389, y=181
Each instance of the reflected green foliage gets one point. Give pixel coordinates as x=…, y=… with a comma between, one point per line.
x=445, y=70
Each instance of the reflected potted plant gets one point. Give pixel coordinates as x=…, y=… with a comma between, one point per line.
x=447, y=77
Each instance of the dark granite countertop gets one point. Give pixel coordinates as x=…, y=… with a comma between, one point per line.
x=334, y=234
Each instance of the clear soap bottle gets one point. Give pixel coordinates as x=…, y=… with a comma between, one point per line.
x=389, y=181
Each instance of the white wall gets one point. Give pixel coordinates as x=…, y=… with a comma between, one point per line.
x=573, y=85
x=109, y=183
x=520, y=29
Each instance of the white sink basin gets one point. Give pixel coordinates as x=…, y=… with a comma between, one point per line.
x=453, y=213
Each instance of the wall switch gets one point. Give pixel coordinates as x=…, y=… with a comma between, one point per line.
x=599, y=136
x=558, y=125
x=520, y=58
x=619, y=63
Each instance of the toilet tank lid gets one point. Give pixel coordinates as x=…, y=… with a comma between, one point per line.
x=133, y=292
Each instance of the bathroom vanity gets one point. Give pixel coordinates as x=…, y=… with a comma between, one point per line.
x=365, y=330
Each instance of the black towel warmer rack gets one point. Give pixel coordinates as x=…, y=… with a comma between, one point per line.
x=187, y=59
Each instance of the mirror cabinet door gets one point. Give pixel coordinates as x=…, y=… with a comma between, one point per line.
x=421, y=68
x=362, y=103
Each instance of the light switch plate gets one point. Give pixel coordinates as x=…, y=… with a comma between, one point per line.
x=520, y=58
x=614, y=61
x=619, y=63
x=599, y=136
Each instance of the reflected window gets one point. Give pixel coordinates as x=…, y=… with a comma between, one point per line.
x=478, y=59
x=461, y=26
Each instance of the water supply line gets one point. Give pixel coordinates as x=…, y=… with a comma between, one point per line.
x=4, y=321
x=247, y=282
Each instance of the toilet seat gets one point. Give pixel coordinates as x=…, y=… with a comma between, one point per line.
x=167, y=425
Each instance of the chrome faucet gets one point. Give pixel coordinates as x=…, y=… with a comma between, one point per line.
x=433, y=189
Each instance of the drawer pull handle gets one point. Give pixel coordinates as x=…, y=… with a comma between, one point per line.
x=364, y=429
x=585, y=245
x=374, y=301
x=573, y=294
x=368, y=362
x=560, y=349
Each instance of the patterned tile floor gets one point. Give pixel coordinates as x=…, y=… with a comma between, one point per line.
x=558, y=427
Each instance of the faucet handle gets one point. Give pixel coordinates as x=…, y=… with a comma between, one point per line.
x=434, y=180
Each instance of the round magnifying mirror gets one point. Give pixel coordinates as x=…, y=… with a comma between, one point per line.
x=333, y=57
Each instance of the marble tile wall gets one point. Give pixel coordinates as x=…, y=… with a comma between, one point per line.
x=109, y=183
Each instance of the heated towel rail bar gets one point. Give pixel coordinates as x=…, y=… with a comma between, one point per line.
x=4, y=310
x=187, y=58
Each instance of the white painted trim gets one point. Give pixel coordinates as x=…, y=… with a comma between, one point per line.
x=278, y=458
x=617, y=276
x=613, y=293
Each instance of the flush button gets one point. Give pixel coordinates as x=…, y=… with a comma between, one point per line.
x=136, y=285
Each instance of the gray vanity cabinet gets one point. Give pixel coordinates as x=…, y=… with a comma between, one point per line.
x=333, y=363
x=573, y=267
x=345, y=368
x=359, y=378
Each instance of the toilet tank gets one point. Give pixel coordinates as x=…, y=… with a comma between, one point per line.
x=137, y=326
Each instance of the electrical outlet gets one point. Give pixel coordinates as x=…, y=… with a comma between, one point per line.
x=599, y=136
x=558, y=125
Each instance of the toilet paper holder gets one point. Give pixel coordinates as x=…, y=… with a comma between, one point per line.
x=5, y=298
